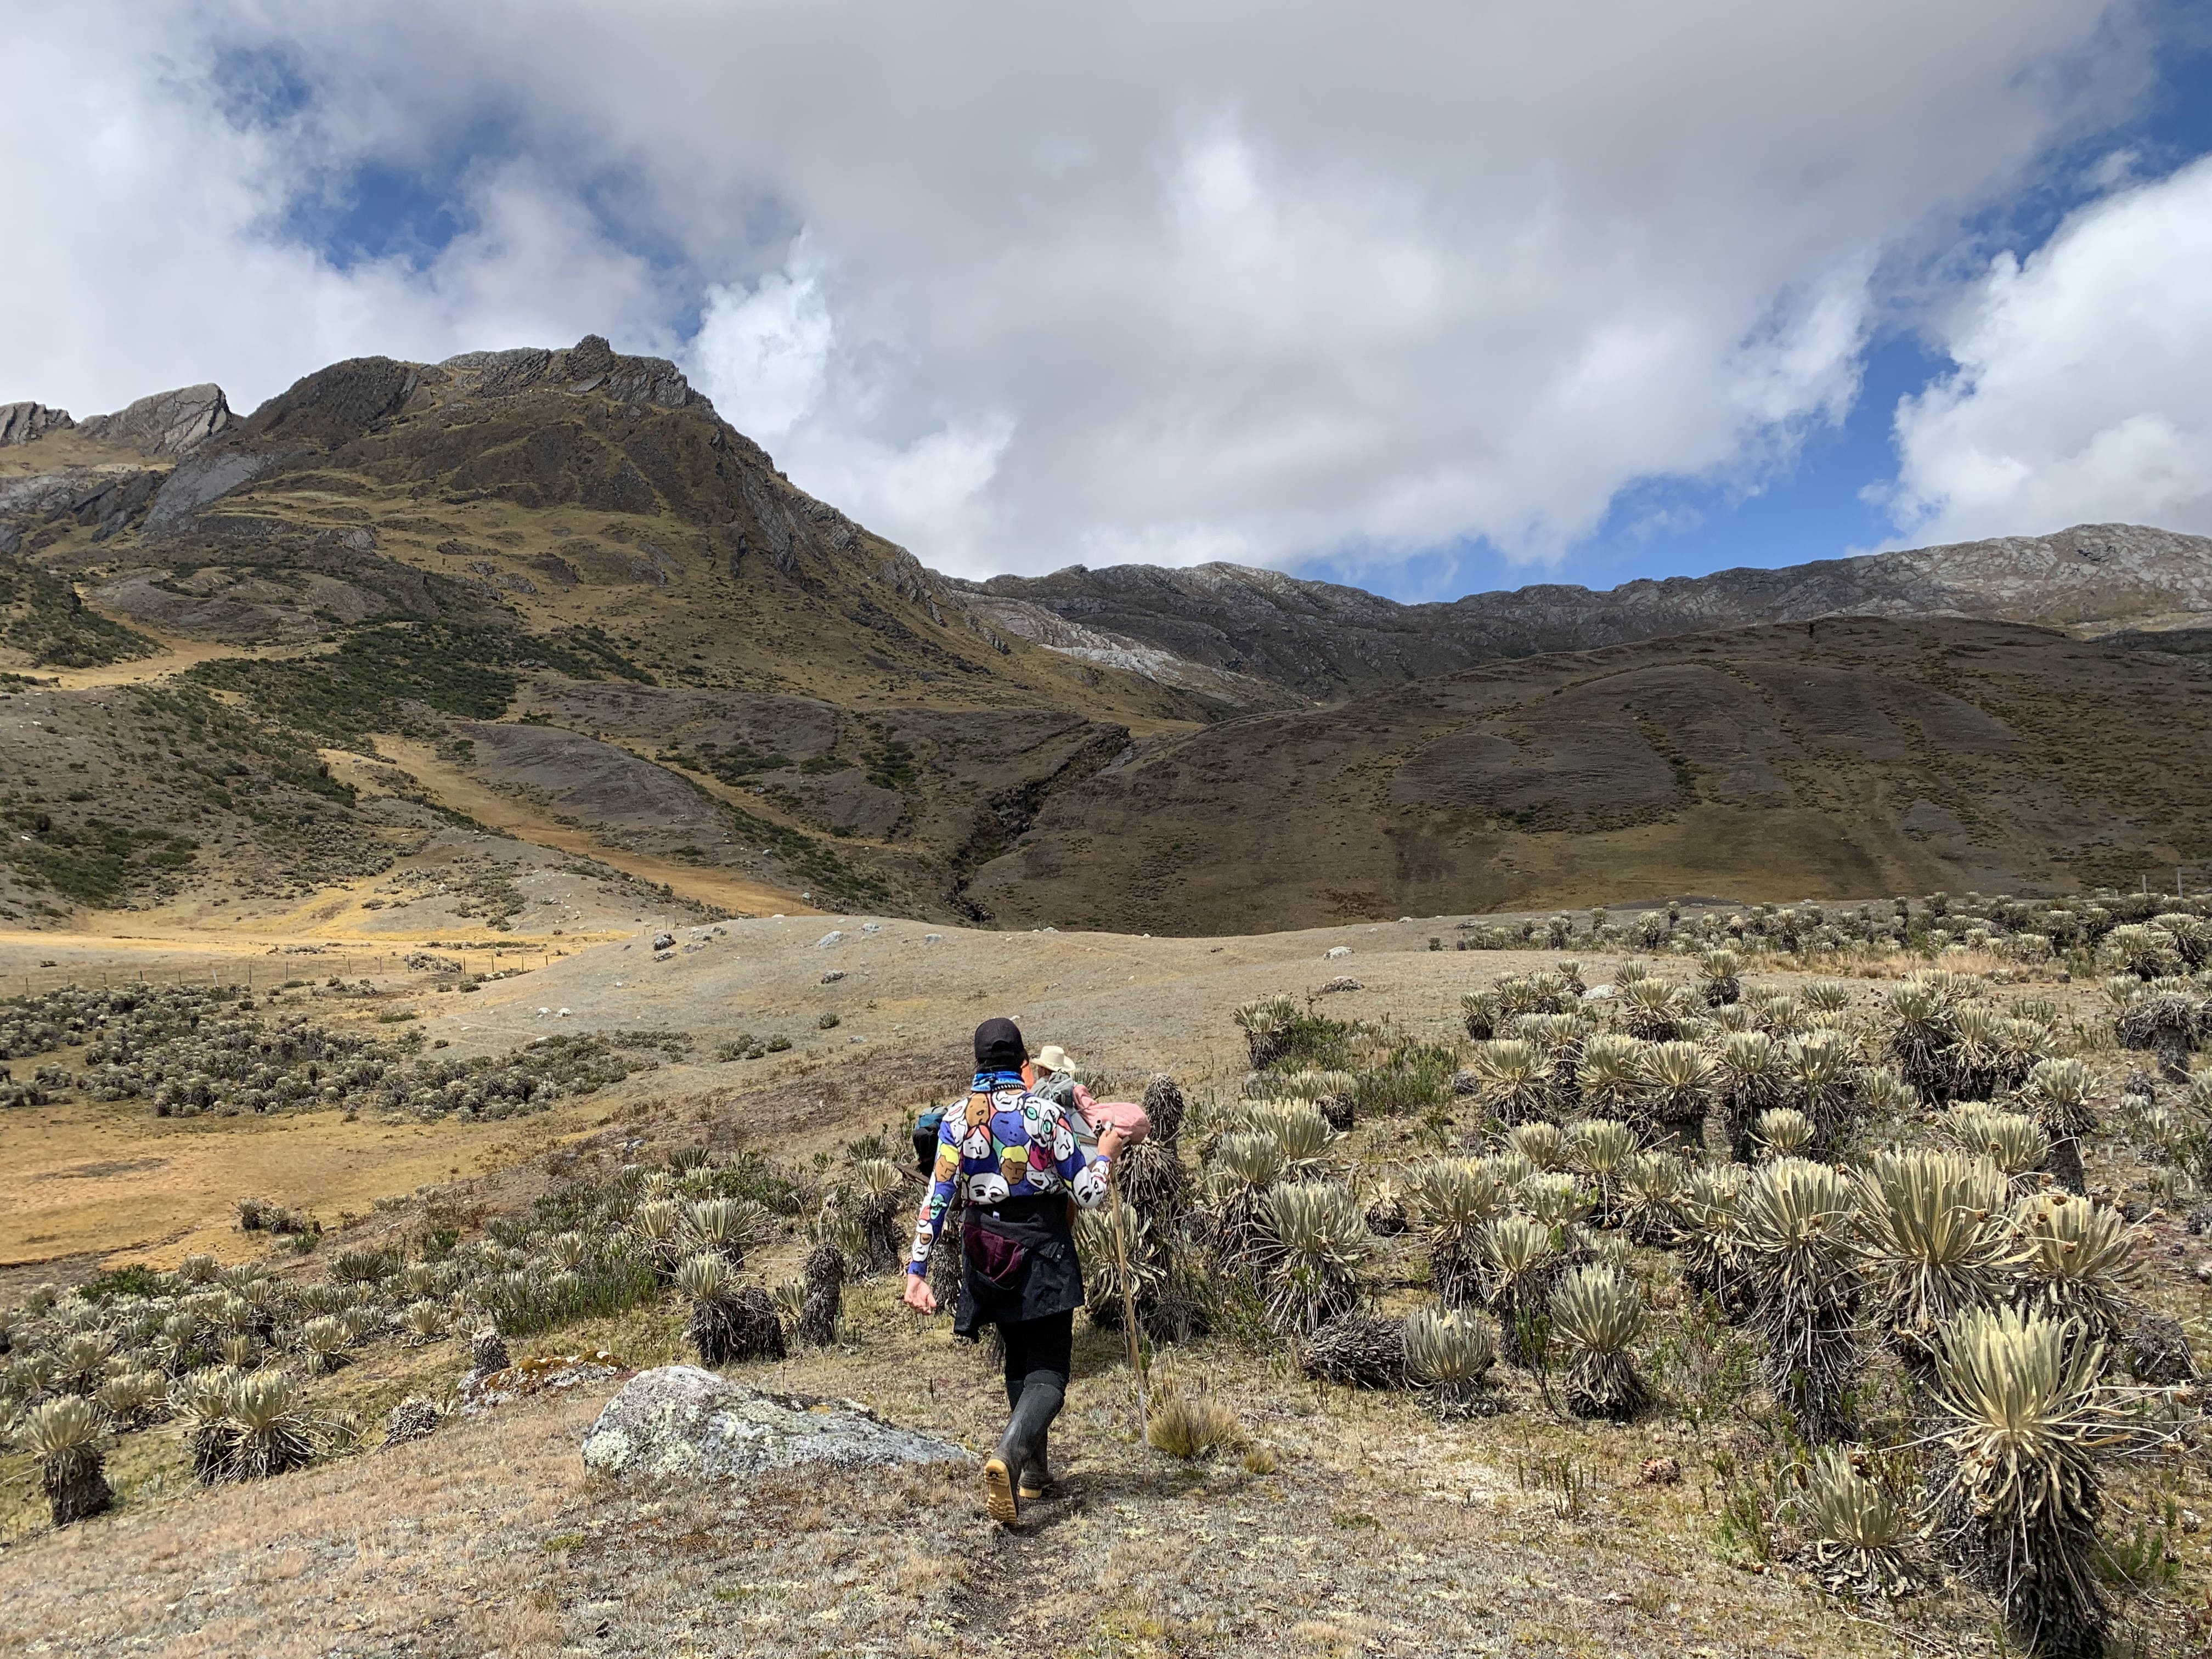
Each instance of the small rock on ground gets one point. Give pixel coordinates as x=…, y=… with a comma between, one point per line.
x=539, y=1374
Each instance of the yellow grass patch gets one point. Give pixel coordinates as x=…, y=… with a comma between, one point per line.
x=114, y=1179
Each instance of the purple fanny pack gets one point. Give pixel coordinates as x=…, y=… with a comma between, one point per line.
x=996, y=1259
x=999, y=1244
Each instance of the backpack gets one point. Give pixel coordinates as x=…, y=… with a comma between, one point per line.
x=927, y=1129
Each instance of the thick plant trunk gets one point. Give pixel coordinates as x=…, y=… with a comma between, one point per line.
x=825, y=1290
x=75, y=1485
x=2064, y=1164
x=1718, y=1131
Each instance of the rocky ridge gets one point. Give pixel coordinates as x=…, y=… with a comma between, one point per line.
x=26, y=423
x=1327, y=643
x=170, y=423
x=582, y=430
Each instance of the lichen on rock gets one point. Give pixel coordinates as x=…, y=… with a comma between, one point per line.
x=680, y=1420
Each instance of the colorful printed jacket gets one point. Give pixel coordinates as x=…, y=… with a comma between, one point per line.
x=1002, y=1142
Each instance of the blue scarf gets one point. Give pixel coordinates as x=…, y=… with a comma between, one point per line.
x=986, y=1082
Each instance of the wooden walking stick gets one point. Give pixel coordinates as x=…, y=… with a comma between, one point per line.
x=1130, y=1309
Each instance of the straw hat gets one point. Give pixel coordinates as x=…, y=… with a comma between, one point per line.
x=1054, y=1058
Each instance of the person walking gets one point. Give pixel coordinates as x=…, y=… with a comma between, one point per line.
x=1055, y=1074
x=1015, y=1160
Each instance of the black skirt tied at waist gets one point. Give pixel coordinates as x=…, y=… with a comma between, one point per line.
x=1020, y=1263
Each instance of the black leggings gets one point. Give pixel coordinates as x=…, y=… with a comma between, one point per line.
x=1043, y=1348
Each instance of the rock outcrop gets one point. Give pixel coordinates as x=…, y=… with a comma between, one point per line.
x=107, y=498
x=680, y=1420
x=23, y=424
x=196, y=482
x=167, y=423
x=482, y=1389
x=590, y=364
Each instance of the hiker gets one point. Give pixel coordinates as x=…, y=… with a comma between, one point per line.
x=1014, y=1159
x=1055, y=1074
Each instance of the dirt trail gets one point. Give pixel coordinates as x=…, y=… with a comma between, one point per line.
x=453, y=787
x=253, y=958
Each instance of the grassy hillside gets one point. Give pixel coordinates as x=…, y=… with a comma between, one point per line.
x=557, y=494
x=562, y=577
x=1842, y=757
x=480, y=555
x=129, y=797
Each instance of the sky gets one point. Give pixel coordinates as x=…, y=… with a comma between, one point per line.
x=1427, y=297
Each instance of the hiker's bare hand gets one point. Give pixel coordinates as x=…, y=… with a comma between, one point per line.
x=1111, y=1141
x=918, y=1295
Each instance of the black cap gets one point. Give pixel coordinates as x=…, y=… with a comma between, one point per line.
x=1000, y=1048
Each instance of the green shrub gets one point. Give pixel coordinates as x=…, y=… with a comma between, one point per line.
x=1413, y=1076
x=135, y=1279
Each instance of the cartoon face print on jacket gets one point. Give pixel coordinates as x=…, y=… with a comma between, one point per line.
x=1003, y=1142
x=1014, y=1133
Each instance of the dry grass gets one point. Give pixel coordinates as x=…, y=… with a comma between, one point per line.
x=456, y=787
x=487, y=1537
x=114, y=1180
x=1191, y=1426
x=1376, y=1529
x=1355, y=1524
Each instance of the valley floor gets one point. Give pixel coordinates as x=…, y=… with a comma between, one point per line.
x=83, y=1185
x=1357, y=1526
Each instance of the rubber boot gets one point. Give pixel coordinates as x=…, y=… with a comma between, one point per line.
x=1039, y=1404
x=1037, y=1470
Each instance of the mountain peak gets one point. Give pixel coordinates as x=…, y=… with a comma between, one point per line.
x=590, y=364
x=26, y=423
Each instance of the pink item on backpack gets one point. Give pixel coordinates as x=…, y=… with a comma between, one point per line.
x=1089, y=1118
x=1124, y=1114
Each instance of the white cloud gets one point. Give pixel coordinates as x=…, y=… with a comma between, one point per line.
x=763, y=355
x=1155, y=281
x=772, y=359
x=2083, y=386
x=935, y=488
x=160, y=259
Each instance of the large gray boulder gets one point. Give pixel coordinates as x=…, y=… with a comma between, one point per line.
x=680, y=1420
